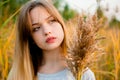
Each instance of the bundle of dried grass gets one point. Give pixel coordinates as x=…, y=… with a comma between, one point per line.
x=82, y=43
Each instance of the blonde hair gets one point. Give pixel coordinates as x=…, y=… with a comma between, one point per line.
x=25, y=65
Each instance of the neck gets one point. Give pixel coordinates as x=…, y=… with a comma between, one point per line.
x=53, y=61
x=52, y=56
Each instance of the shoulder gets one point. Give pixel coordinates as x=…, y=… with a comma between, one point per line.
x=88, y=75
x=70, y=75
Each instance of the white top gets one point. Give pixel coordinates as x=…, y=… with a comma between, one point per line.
x=66, y=75
x=88, y=75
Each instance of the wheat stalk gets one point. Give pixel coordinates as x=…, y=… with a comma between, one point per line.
x=82, y=43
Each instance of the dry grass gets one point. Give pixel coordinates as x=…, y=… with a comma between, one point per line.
x=108, y=66
x=6, y=49
x=83, y=43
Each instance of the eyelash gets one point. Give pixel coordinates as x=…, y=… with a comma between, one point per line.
x=36, y=29
x=51, y=21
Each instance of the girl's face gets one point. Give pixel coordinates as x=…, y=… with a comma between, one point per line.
x=47, y=32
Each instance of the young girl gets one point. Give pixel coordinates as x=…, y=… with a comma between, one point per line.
x=41, y=45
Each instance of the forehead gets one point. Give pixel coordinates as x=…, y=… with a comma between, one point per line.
x=39, y=13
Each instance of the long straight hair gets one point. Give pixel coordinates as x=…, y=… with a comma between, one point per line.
x=28, y=56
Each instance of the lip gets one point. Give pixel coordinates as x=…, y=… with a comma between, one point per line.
x=50, y=39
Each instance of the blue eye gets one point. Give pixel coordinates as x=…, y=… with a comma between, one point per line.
x=36, y=29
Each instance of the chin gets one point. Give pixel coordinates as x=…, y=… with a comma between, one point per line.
x=52, y=47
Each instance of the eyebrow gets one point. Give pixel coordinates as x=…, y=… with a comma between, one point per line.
x=45, y=19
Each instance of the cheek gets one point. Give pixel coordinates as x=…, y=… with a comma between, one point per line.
x=59, y=31
x=37, y=38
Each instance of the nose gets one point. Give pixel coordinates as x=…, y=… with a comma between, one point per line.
x=46, y=29
x=48, y=33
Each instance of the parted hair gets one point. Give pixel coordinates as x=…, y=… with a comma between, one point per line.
x=28, y=56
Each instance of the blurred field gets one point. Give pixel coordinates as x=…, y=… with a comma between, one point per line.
x=107, y=66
